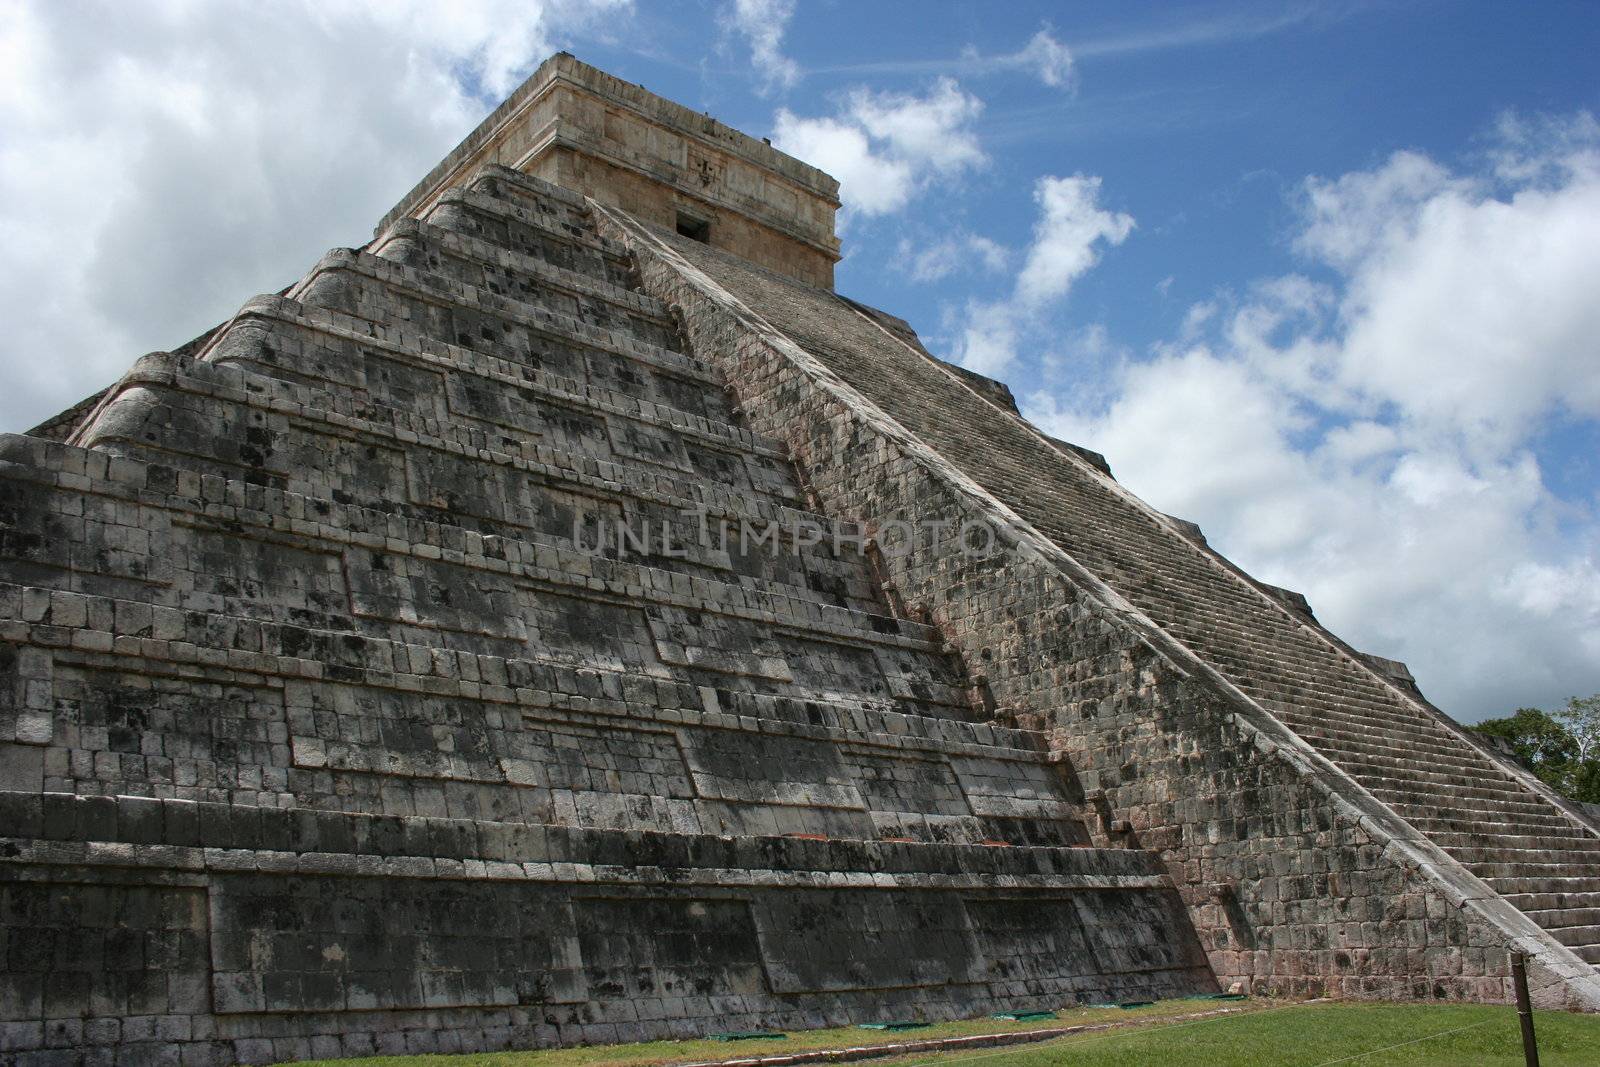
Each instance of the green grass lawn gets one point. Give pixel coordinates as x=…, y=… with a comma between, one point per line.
x=652, y=1053
x=1314, y=1034
x=1263, y=1034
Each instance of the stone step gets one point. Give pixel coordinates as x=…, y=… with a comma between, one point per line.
x=1385, y=760
x=1182, y=591
x=1588, y=954
x=1415, y=722
x=1367, y=766
x=1554, y=869
x=1574, y=936
x=1410, y=806
x=1554, y=899
x=464, y=260
x=1455, y=841
x=1289, y=655
x=588, y=478
x=1184, y=571
x=1479, y=824
x=668, y=389
x=1339, y=735
x=1491, y=796
x=1437, y=743
x=1129, y=545
x=1424, y=788
x=507, y=195
x=608, y=474
x=1560, y=918
x=1492, y=851
x=564, y=207
x=1491, y=827
x=1275, y=657
x=1355, y=701
x=423, y=245
x=1300, y=658
x=1330, y=703
x=509, y=226
x=1376, y=713
x=384, y=291
x=1527, y=820
x=1515, y=884
x=1349, y=707
x=298, y=344
x=1327, y=703
x=790, y=609
x=1329, y=719
x=588, y=687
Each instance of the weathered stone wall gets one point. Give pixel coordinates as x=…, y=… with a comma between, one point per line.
x=152, y=928
x=1297, y=879
x=582, y=129
x=321, y=733
x=731, y=218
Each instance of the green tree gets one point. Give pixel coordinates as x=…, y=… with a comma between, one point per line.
x=1586, y=782
x=1561, y=747
x=1581, y=717
x=1541, y=742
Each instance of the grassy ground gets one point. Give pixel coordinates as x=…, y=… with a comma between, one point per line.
x=1263, y=1035
x=652, y=1053
x=1360, y=1035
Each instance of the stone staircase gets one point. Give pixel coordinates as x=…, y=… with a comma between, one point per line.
x=1497, y=822
x=1528, y=849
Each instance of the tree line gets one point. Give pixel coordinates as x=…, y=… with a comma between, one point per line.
x=1562, y=746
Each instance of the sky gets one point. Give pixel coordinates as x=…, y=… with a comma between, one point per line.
x=1323, y=278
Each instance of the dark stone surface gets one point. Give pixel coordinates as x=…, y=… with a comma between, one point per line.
x=323, y=737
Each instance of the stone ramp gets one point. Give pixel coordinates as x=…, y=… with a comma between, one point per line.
x=309, y=669
x=1489, y=817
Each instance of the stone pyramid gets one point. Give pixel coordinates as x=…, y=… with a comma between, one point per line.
x=387, y=669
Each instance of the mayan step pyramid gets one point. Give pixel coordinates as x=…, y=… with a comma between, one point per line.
x=387, y=669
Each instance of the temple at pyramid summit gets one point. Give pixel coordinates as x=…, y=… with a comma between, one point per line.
x=567, y=619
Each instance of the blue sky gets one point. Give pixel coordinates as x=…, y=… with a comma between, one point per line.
x=1201, y=119
x=1320, y=277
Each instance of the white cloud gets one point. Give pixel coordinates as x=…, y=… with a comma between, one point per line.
x=763, y=23
x=1472, y=311
x=933, y=130
x=870, y=182
x=1043, y=57
x=987, y=338
x=1071, y=230
x=960, y=251
x=1071, y=224
x=886, y=147
x=1089, y=353
x=161, y=162
x=1372, y=441
x=1048, y=58
x=1349, y=218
